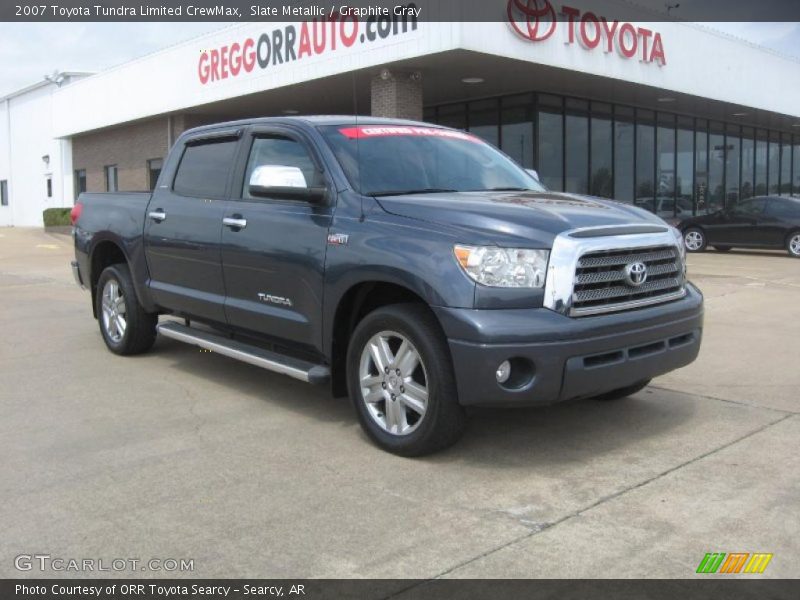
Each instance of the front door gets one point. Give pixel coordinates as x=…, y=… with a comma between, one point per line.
x=182, y=231
x=273, y=250
x=737, y=225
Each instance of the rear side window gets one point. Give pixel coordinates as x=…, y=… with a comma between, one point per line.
x=786, y=209
x=204, y=168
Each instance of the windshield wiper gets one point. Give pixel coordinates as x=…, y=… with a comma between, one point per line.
x=407, y=192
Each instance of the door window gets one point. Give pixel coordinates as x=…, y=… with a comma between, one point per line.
x=750, y=208
x=283, y=152
x=204, y=168
x=784, y=209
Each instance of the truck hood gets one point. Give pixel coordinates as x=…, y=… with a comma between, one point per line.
x=531, y=218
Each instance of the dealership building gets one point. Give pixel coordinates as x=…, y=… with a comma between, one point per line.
x=673, y=116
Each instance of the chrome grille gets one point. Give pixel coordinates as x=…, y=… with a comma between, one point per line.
x=600, y=283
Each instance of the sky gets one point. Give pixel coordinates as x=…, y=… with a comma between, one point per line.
x=29, y=51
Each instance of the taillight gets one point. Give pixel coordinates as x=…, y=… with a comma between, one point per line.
x=75, y=213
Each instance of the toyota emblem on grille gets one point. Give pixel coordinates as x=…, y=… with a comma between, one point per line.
x=635, y=274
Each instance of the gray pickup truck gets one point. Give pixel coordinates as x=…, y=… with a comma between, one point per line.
x=412, y=267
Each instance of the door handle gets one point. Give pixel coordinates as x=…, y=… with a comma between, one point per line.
x=234, y=222
x=157, y=215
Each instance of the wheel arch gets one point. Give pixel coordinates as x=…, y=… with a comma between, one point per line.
x=105, y=252
x=353, y=304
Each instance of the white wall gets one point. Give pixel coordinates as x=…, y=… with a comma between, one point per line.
x=26, y=136
x=5, y=211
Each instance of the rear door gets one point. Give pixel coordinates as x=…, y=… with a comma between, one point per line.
x=183, y=226
x=274, y=265
x=780, y=218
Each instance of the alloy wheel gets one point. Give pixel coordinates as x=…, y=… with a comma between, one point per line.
x=393, y=383
x=794, y=244
x=115, y=319
x=693, y=240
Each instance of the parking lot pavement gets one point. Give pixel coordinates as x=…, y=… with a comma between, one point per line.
x=184, y=454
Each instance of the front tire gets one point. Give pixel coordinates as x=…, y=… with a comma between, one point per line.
x=694, y=239
x=125, y=326
x=793, y=244
x=401, y=381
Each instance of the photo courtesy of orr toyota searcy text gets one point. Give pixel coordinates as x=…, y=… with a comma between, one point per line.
x=297, y=41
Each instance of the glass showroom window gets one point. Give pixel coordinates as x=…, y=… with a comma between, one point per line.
x=684, y=162
x=733, y=144
x=701, y=168
x=786, y=165
x=576, y=148
x=516, y=135
x=716, y=168
x=796, y=166
x=748, y=163
x=454, y=115
x=665, y=166
x=762, y=159
x=774, y=163
x=623, y=153
x=483, y=118
x=601, y=158
x=645, y=160
x=550, y=143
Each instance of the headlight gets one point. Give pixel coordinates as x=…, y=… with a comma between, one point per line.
x=504, y=267
x=681, y=247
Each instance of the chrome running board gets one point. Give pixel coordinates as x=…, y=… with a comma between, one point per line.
x=272, y=361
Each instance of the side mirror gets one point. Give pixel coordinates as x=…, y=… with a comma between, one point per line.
x=282, y=182
x=533, y=173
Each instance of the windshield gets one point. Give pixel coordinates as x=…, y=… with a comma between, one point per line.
x=389, y=160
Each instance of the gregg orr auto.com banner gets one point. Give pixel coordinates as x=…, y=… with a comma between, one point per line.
x=297, y=41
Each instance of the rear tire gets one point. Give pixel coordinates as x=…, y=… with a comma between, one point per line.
x=401, y=381
x=793, y=244
x=125, y=326
x=623, y=392
x=694, y=239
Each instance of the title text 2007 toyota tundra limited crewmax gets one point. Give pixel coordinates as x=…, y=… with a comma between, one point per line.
x=413, y=267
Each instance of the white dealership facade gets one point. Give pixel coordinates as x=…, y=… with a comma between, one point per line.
x=673, y=116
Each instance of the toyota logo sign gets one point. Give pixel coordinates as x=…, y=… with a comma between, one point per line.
x=534, y=20
x=635, y=274
x=538, y=20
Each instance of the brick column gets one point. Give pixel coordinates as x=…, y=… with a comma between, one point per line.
x=397, y=94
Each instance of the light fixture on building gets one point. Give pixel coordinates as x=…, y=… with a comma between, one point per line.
x=666, y=99
x=415, y=76
x=55, y=77
x=472, y=80
x=740, y=114
x=795, y=124
x=385, y=74
x=290, y=111
x=46, y=159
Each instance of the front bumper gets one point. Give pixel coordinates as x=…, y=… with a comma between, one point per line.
x=570, y=357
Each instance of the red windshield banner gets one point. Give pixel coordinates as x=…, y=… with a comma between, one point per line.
x=383, y=131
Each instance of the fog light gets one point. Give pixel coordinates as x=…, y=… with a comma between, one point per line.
x=503, y=372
